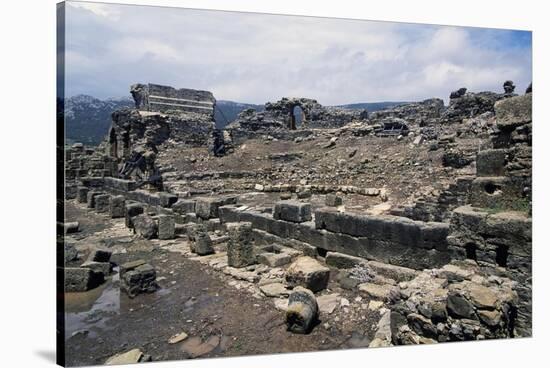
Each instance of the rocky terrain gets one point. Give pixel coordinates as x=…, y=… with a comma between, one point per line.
x=297, y=227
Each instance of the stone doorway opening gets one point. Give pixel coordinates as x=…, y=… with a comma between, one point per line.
x=296, y=117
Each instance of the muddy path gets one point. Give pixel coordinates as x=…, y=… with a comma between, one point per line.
x=220, y=320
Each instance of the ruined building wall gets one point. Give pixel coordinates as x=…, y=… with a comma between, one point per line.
x=154, y=97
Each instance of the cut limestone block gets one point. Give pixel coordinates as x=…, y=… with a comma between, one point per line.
x=132, y=210
x=201, y=243
x=239, y=247
x=101, y=204
x=293, y=211
x=117, y=206
x=166, y=227
x=82, y=194
x=145, y=226
x=82, y=279
x=309, y=273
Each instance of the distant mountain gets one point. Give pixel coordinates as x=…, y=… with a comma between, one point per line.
x=87, y=119
x=227, y=111
x=372, y=106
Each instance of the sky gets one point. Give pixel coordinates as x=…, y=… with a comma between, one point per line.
x=256, y=58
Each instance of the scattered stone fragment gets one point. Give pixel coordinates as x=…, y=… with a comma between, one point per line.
x=302, y=311
x=327, y=303
x=177, y=338
x=130, y=357
x=71, y=227
x=381, y=292
x=275, y=289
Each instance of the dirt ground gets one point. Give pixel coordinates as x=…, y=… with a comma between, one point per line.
x=220, y=318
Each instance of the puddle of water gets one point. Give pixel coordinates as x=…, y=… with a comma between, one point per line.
x=195, y=347
x=358, y=340
x=90, y=310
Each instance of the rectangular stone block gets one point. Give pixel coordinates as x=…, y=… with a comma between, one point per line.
x=132, y=210
x=207, y=208
x=82, y=194
x=117, y=206
x=90, y=198
x=239, y=247
x=183, y=206
x=102, y=203
x=491, y=162
x=293, y=211
x=82, y=279
x=167, y=199
x=166, y=227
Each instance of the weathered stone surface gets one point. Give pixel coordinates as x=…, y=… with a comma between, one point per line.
x=145, y=226
x=117, y=206
x=309, y=273
x=275, y=289
x=183, y=206
x=340, y=260
x=132, y=210
x=381, y=292
x=82, y=279
x=100, y=255
x=128, y=266
x=513, y=112
x=90, y=198
x=82, y=194
x=71, y=227
x=101, y=204
x=273, y=259
x=240, y=247
x=141, y=279
x=70, y=252
x=302, y=311
x=327, y=303
x=207, y=208
x=100, y=267
x=491, y=162
x=201, y=242
x=333, y=200
x=130, y=357
x=460, y=307
x=167, y=199
x=292, y=211
x=166, y=227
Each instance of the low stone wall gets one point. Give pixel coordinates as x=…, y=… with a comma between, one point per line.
x=432, y=250
x=497, y=239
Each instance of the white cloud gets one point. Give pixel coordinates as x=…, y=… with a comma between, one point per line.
x=102, y=10
x=258, y=58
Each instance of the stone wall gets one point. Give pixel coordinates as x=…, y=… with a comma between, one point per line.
x=154, y=97
x=393, y=239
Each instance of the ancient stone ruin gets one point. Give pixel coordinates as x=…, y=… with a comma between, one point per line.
x=409, y=225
